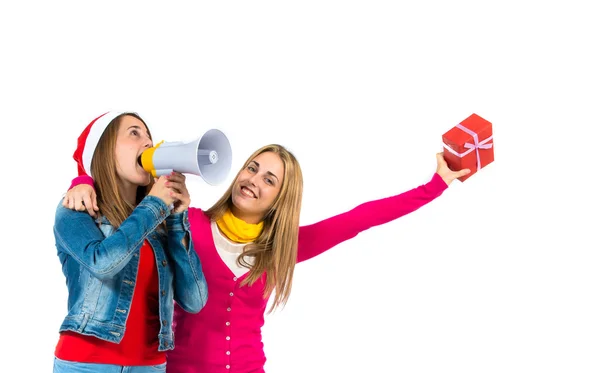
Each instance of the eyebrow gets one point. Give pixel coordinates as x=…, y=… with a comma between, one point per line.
x=268, y=172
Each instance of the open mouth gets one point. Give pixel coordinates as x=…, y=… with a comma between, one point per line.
x=247, y=192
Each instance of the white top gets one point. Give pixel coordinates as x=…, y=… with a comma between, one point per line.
x=229, y=251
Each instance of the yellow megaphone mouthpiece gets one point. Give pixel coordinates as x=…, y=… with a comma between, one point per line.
x=145, y=160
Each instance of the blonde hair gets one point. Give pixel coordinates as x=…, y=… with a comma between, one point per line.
x=275, y=251
x=104, y=172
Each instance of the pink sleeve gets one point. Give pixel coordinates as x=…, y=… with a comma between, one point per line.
x=319, y=237
x=83, y=179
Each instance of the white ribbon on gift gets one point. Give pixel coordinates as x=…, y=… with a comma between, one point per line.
x=475, y=146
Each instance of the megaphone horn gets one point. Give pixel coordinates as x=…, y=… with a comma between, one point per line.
x=208, y=157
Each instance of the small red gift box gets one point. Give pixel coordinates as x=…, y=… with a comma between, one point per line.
x=469, y=145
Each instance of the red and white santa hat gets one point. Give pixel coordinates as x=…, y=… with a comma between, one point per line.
x=88, y=140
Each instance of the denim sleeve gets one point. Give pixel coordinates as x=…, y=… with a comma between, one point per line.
x=190, y=289
x=78, y=236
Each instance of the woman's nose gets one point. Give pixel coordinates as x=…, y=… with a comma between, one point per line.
x=253, y=179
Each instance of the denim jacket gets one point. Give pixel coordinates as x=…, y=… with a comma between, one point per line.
x=100, y=264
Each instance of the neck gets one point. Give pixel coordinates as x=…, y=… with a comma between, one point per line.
x=247, y=218
x=128, y=192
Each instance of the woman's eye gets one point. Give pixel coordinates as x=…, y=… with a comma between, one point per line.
x=269, y=181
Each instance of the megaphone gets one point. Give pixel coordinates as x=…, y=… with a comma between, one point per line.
x=208, y=157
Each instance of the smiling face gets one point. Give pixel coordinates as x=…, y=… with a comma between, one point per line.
x=257, y=187
x=132, y=139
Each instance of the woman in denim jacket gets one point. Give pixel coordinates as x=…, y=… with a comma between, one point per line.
x=125, y=268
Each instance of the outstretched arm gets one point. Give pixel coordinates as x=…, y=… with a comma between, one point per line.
x=317, y=238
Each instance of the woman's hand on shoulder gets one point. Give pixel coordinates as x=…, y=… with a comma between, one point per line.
x=81, y=197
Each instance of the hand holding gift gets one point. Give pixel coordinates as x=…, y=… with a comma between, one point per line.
x=446, y=173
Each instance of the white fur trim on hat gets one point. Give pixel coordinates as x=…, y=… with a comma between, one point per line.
x=93, y=137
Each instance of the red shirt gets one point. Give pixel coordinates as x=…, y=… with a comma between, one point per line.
x=139, y=345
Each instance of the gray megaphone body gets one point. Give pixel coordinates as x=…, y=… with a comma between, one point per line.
x=208, y=157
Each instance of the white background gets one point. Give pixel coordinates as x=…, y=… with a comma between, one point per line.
x=500, y=274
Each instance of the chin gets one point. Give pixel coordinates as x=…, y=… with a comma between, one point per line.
x=144, y=181
x=241, y=203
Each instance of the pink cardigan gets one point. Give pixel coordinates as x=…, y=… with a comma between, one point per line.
x=225, y=336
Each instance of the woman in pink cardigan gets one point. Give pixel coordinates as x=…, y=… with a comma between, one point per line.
x=249, y=243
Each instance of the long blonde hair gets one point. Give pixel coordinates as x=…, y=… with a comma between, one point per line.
x=275, y=251
x=104, y=172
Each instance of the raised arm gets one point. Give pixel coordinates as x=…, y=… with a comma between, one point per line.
x=189, y=283
x=317, y=238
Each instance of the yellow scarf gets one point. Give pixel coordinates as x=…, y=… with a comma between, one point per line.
x=238, y=230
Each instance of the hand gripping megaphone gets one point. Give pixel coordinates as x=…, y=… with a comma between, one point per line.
x=208, y=157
